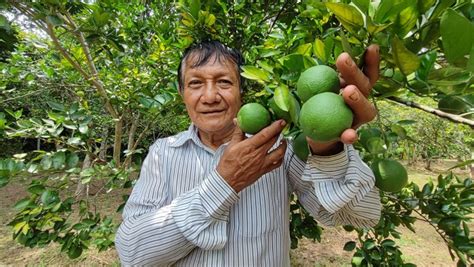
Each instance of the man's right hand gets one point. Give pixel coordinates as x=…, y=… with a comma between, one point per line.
x=247, y=159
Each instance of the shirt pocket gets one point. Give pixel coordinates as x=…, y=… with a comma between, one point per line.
x=259, y=210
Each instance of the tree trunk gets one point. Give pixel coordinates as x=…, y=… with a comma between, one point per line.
x=103, y=145
x=118, y=141
x=131, y=141
x=80, y=186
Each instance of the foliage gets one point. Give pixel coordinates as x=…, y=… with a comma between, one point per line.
x=94, y=83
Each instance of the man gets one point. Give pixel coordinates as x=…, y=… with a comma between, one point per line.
x=210, y=196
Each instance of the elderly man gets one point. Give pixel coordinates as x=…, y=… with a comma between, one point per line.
x=210, y=196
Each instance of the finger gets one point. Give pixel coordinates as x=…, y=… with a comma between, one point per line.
x=267, y=133
x=267, y=146
x=349, y=136
x=238, y=135
x=363, y=110
x=352, y=74
x=277, y=155
x=372, y=63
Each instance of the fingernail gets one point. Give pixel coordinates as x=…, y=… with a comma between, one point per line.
x=349, y=62
x=283, y=123
x=354, y=96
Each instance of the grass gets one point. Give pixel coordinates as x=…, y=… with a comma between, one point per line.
x=424, y=248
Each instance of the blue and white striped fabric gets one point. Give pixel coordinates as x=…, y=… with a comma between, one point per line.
x=182, y=212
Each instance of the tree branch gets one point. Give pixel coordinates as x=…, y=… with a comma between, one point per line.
x=437, y=112
x=90, y=63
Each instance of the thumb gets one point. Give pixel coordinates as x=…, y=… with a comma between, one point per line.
x=238, y=135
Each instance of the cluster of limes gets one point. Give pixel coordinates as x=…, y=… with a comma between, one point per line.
x=323, y=117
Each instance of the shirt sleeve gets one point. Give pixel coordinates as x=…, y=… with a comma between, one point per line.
x=158, y=231
x=338, y=189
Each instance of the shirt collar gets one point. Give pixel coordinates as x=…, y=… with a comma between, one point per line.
x=190, y=134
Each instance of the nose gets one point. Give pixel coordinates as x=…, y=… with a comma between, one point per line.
x=210, y=94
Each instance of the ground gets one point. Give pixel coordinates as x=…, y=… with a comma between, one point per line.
x=424, y=248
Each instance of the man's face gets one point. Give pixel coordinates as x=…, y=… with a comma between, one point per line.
x=212, y=94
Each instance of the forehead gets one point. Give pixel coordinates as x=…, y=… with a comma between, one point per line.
x=215, y=63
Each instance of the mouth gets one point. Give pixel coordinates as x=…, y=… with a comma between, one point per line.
x=211, y=112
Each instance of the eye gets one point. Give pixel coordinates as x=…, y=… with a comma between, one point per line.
x=195, y=83
x=225, y=82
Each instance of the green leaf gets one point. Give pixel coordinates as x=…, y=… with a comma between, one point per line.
x=58, y=160
x=470, y=63
x=22, y=204
x=348, y=15
x=388, y=9
x=363, y=5
x=48, y=197
x=75, y=141
x=194, y=8
x=424, y=5
x=304, y=49
x=375, y=145
x=46, y=162
x=456, y=32
x=4, y=23
x=282, y=97
x=74, y=251
x=318, y=50
x=71, y=160
x=406, y=61
x=374, y=28
x=441, y=7
x=388, y=243
x=36, y=189
x=426, y=65
x=254, y=73
x=369, y=244
x=357, y=260
x=56, y=106
x=405, y=20
x=449, y=76
x=349, y=246
x=17, y=228
x=295, y=109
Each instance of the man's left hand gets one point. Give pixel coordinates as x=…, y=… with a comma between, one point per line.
x=356, y=86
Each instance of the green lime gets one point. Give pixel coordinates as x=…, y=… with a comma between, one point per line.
x=390, y=175
x=300, y=146
x=325, y=116
x=253, y=117
x=315, y=80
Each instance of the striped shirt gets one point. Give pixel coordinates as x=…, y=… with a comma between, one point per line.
x=182, y=212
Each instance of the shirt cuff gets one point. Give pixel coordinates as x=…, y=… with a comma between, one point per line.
x=320, y=168
x=217, y=196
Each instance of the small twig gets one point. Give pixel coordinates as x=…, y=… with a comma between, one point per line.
x=437, y=112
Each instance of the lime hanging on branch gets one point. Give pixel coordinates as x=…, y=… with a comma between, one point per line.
x=390, y=175
x=253, y=117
